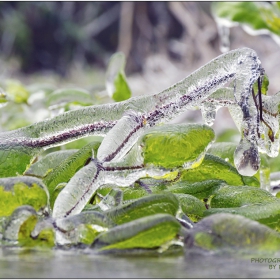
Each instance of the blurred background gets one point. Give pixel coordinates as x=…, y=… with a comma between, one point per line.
x=71, y=42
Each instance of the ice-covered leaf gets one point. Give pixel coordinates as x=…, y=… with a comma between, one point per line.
x=232, y=196
x=46, y=238
x=67, y=168
x=15, y=161
x=225, y=150
x=255, y=17
x=16, y=91
x=216, y=168
x=49, y=162
x=191, y=206
x=200, y=190
x=12, y=225
x=250, y=202
x=178, y=145
x=146, y=232
x=18, y=191
x=165, y=203
x=232, y=233
x=70, y=95
x=83, y=227
x=265, y=84
x=116, y=84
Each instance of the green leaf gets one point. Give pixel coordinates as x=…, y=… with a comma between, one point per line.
x=70, y=95
x=216, y=168
x=84, y=227
x=147, y=232
x=116, y=83
x=250, y=202
x=233, y=196
x=14, y=161
x=233, y=233
x=225, y=150
x=18, y=191
x=183, y=145
x=16, y=91
x=3, y=98
x=255, y=15
x=149, y=205
x=201, y=190
x=191, y=206
x=264, y=88
x=67, y=168
x=49, y=162
x=46, y=238
x=12, y=224
x=80, y=143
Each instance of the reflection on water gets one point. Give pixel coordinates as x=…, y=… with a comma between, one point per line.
x=77, y=264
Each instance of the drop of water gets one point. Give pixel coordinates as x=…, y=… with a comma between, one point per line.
x=246, y=158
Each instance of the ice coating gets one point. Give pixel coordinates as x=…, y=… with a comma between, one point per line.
x=126, y=121
x=121, y=137
x=15, y=221
x=116, y=65
x=246, y=158
x=72, y=199
x=225, y=97
x=241, y=65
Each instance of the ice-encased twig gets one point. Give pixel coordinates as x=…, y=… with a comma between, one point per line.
x=242, y=65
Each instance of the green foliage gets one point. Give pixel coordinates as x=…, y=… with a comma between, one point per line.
x=199, y=180
x=191, y=206
x=149, y=205
x=46, y=237
x=258, y=16
x=16, y=91
x=18, y=191
x=14, y=161
x=233, y=233
x=216, y=168
x=116, y=84
x=188, y=144
x=148, y=232
x=49, y=162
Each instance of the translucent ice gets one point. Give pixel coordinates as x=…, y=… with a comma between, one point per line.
x=246, y=158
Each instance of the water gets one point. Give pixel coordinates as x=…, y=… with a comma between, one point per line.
x=15, y=263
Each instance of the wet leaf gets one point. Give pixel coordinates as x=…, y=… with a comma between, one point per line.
x=257, y=16
x=165, y=203
x=49, y=162
x=16, y=91
x=116, y=84
x=250, y=202
x=183, y=145
x=225, y=150
x=46, y=238
x=70, y=95
x=200, y=190
x=232, y=196
x=232, y=233
x=18, y=191
x=191, y=206
x=147, y=232
x=15, y=161
x=216, y=168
